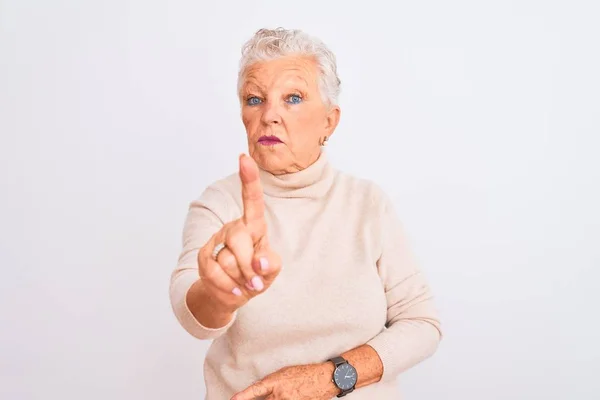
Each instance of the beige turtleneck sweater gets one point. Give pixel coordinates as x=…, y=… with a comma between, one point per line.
x=348, y=278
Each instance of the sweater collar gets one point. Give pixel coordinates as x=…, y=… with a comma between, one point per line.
x=312, y=182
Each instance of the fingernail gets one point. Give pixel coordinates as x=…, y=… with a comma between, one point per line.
x=237, y=291
x=257, y=283
x=249, y=286
x=264, y=264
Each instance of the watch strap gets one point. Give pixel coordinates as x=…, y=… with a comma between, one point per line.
x=337, y=361
x=345, y=392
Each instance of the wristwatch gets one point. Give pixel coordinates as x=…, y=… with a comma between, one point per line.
x=344, y=375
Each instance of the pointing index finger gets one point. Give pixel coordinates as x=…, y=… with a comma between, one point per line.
x=252, y=195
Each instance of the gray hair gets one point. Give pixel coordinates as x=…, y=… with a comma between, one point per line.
x=269, y=44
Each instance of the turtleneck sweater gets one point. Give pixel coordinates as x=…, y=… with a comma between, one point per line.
x=348, y=278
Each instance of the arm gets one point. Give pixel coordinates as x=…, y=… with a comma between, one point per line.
x=313, y=381
x=413, y=330
x=192, y=308
x=206, y=293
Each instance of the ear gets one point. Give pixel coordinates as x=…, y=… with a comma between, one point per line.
x=332, y=119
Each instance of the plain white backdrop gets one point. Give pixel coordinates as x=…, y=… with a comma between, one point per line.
x=479, y=118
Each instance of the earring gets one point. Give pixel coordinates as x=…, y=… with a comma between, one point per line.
x=324, y=141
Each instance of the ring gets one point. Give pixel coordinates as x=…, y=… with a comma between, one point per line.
x=217, y=250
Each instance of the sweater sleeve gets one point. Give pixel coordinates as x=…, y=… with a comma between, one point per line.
x=412, y=331
x=205, y=217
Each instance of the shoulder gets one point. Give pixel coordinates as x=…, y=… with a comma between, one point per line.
x=220, y=197
x=367, y=202
x=364, y=191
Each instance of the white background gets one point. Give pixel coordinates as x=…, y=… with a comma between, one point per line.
x=479, y=118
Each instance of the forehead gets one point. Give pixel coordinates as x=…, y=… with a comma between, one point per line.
x=291, y=69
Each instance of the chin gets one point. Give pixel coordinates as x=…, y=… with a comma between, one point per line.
x=270, y=159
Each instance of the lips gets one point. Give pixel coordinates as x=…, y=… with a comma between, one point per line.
x=269, y=140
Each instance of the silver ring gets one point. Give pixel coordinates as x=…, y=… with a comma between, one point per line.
x=218, y=248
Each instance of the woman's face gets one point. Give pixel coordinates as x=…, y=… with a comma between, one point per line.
x=284, y=114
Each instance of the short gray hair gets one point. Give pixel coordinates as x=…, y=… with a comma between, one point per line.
x=269, y=44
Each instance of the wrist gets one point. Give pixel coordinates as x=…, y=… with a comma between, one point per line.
x=205, y=307
x=327, y=370
x=216, y=303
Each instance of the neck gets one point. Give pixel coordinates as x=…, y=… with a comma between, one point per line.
x=310, y=182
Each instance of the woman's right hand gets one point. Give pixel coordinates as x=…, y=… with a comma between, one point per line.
x=247, y=265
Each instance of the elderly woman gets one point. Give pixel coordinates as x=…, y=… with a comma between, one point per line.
x=300, y=274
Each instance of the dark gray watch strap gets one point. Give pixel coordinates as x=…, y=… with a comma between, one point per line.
x=338, y=361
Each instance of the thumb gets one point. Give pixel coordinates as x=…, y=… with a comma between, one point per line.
x=265, y=261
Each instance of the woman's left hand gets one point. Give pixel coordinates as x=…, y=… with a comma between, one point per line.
x=303, y=382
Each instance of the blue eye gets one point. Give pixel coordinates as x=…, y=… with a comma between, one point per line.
x=294, y=99
x=252, y=101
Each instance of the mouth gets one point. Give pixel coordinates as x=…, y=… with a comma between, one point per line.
x=269, y=140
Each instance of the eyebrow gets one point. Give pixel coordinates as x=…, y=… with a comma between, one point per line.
x=249, y=85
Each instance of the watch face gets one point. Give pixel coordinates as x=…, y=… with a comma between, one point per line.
x=345, y=376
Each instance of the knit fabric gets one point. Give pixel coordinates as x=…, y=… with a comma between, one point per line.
x=348, y=278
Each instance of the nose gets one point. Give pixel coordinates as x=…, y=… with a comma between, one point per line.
x=271, y=114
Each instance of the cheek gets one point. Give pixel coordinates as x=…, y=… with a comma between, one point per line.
x=307, y=123
x=308, y=120
x=249, y=118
